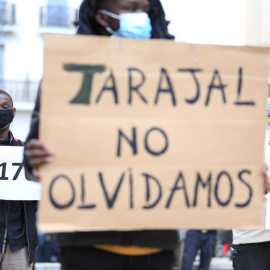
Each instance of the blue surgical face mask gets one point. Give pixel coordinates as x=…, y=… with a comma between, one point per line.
x=132, y=25
x=268, y=106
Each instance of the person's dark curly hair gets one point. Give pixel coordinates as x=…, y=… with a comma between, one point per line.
x=88, y=25
x=8, y=95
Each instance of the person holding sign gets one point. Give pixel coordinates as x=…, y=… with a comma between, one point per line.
x=18, y=236
x=139, y=19
x=250, y=248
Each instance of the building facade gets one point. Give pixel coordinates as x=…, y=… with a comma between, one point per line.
x=23, y=25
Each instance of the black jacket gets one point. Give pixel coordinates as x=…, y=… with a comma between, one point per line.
x=30, y=208
x=165, y=239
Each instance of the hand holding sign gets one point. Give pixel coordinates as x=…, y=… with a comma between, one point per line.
x=266, y=178
x=37, y=154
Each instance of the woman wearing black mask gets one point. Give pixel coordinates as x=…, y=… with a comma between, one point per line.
x=18, y=237
x=140, y=19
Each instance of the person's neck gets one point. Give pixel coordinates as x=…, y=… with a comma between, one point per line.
x=4, y=135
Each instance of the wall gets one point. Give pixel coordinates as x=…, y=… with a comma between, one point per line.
x=208, y=21
x=24, y=49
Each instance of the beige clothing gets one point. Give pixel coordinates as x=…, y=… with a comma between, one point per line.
x=17, y=260
x=250, y=236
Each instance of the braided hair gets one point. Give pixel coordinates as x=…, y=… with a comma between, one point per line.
x=88, y=25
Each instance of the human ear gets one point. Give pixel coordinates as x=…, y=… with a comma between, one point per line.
x=14, y=112
x=101, y=18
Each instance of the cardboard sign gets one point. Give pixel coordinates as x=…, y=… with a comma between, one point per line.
x=13, y=184
x=152, y=134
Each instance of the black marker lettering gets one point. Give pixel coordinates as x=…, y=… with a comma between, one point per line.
x=131, y=204
x=84, y=206
x=239, y=91
x=220, y=86
x=193, y=74
x=148, y=194
x=205, y=184
x=133, y=88
x=111, y=88
x=132, y=142
x=146, y=143
x=176, y=188
x=240, y=176
x=168, y=90
x=228, y=177
x=53, y=201
x=110, y=201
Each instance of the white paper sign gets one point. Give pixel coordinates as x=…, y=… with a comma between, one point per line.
x=13, y=184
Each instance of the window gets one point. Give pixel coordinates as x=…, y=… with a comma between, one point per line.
x=57, y=16
x=57, y=13
x=7, y=13
x=2, y=12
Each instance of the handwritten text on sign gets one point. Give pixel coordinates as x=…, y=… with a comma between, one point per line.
x=150, y=136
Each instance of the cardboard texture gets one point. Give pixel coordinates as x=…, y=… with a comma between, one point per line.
x=152, y=135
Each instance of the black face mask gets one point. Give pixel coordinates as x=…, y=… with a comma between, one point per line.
x=6, y=117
